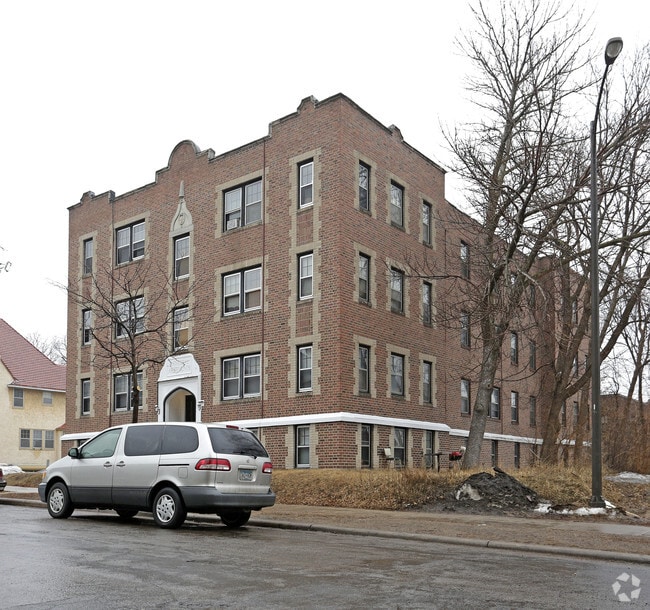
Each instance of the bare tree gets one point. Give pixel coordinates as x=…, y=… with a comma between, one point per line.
x=55, y=348
x=136, y=315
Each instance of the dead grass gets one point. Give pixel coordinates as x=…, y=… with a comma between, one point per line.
x=409, y=488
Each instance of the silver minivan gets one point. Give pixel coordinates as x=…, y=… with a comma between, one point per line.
x=169, y=469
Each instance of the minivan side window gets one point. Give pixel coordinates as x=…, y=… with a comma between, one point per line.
x=180, y=439
x=238, y=442
x=143, y=440
x=101, y=446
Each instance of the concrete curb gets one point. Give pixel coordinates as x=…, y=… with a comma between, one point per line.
x=474, y=542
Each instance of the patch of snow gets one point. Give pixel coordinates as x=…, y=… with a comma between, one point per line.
x=629, y=477
x=583, y=511
x=10, y=469
x=467, y=491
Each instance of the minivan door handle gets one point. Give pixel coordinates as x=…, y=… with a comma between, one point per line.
x=107, y=464
x=121, y=464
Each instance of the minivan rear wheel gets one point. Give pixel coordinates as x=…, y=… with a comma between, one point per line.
x=235, y=518
x=58, y=501
x=168, y=509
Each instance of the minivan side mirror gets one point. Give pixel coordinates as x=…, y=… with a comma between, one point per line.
x=74, y=453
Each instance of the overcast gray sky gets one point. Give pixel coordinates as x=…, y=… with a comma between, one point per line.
x=96, y=96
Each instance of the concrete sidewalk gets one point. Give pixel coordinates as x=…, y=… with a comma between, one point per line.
x=611, y=539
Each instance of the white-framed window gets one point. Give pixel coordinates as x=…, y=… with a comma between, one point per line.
x=399, y=446
x=397, y=204
x=427, y=371
x=181, y=327
x=364, y=278
x=129, y=243
x=241, y=376
x=514, y=348
x=25, y=438
x=306, y=184
x=495, y=403
x=465, y=322
x=19, y=398
x=426, y=223
x=426, y=303
x=366, y=446
x=304, y=368
x=122, y=386
x=306, y=276
x=130, y=314
x=397, y=374
x=49, y=439
x=88, y=250
x=514, y=407
x=86, y=331
x=85, y=396
x=181, y=257
x=464, y=259
x=465, y=396
x=397, y=290
x=242, y=205
x=364, y=369
x=47, y=397
x=237, y=300
x=302, y=446
x=364, y=187
x=428, y=448
x=37, y=439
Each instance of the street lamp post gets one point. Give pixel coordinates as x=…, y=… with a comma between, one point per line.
x=612, y=50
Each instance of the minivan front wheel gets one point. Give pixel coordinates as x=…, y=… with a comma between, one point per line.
x=235, y=518
x=58, y=501
x=168, y=509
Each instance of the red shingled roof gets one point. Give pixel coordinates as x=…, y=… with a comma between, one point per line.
x=29, y=367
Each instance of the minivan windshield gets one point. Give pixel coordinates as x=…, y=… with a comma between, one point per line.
x=237, y=442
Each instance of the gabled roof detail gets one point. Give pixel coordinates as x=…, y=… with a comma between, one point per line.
x=29, y=367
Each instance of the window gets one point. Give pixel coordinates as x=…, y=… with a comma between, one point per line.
x=302, y=446
x=242, y=205
x=399, y=448
x=397, y=291
x=465, y=396
x=532, y=356
x=236, y=300
x=306, y=273
x=49, y=439
x=304, y=368
x=364, y=278
x=464, y=330
x=514, y=407
x=364, y=187
x=130, y=316
x=306, y=177
x=532, y=402
x=129, y=242
x=517, y=455
x=495, y=403
x=242, y=376
x=122, y=392
x=47, y=397
x=366, y=444
x=494, y=451
x=85, y=396
x=181, y=257
x=37, y=439
x=86, y=323
x=18, y=397
x=426, y=303
x=426, y=223
x=25, y=439
x=514, y=348
x=464, y=260
x=396, y=204
x=427, y=368
x=428, y=448
x=181, y=327
x=397, y=375
x=88, y=256
x=364, y=369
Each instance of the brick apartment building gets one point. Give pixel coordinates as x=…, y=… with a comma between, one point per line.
x=293, y=309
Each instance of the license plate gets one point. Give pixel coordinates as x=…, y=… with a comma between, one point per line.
x=245, y=474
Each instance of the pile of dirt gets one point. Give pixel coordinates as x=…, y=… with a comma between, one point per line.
x=498, y=493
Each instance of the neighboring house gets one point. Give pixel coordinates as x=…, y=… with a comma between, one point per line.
x=32, y=402
x=293, y=251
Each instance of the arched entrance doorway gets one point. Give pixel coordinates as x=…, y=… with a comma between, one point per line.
x=180, y=405
x=179, y=389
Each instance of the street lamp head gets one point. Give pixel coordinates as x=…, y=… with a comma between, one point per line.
x=612, y=49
